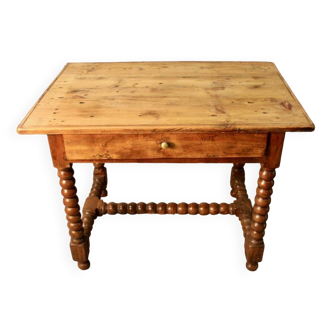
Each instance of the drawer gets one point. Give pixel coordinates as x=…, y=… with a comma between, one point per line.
x=148, y=146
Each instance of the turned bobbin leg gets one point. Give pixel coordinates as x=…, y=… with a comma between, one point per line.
x=100, y=172
x=237, y=173
x=78, y=243
x=254, y=244
x=239, y=191
x=97, y=191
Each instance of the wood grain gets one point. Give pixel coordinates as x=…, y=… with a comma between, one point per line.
x=274, y=150
x=58, y=152
x=219, y=145
x=180, y=160
x=109, y=98
x=235, y=112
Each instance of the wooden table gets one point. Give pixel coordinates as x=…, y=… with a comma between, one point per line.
x=167, y=112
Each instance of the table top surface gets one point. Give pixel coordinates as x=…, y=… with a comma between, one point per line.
x=149, y=97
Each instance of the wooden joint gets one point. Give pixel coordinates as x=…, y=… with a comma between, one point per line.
x=243, y=206
x=91, y=204
x=242, y=202
x=274, y=150
x=58, y=151
x=99, y=181
x=80, y=252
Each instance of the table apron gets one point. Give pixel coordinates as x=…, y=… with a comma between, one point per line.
x=148, y=146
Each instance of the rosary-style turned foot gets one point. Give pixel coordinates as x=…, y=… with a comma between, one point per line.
x=254, y=252
x=84, y=265
x=80, y=252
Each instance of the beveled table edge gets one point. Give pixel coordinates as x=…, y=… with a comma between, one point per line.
x=162, y=129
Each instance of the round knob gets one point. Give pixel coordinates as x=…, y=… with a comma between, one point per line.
x=164, y=145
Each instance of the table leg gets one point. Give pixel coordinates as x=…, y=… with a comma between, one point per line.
x=99, y=181
x=254, y=244
x=79, y=243
x=243, y=204
x=97, y=191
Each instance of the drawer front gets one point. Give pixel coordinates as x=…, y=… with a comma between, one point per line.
x=128, y=146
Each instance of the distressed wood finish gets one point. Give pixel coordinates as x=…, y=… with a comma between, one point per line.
x=58, y=152
x=218, y=145
x=202, y=112
x=105, y=98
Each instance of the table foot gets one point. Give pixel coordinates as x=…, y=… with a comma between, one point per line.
x=254, y=252
x=84, y=265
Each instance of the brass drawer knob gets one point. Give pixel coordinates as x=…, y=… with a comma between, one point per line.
x=164, y=145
